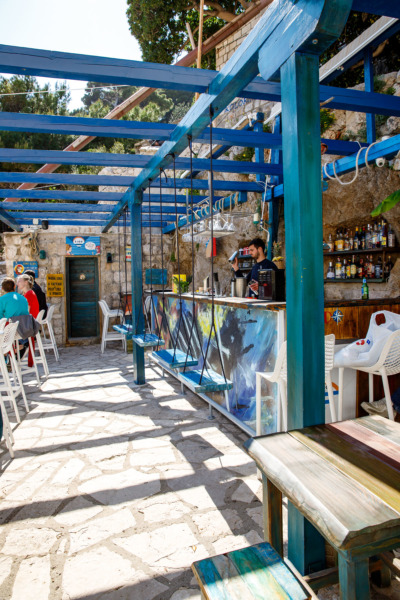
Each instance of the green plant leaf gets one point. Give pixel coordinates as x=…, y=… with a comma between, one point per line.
x=387, y=204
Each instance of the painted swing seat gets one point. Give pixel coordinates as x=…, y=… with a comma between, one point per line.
x=147, y=340
x=125, y=330
x=210, y=382
x=174, y=359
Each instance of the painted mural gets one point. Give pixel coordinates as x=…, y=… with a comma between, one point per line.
x=248, y=343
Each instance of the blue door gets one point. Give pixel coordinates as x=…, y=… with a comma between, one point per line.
x=82, y=297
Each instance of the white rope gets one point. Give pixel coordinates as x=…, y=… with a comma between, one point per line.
x=366, y=154
x=334, y=169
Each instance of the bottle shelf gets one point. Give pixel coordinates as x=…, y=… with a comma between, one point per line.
x=387, y=249
x=355, y=280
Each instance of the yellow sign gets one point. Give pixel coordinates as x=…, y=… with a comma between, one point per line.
x=55, y=285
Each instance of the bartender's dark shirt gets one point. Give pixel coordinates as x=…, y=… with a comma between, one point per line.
x=41, y=296
x=264, y=264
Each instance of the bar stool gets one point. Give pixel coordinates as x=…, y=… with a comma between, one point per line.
x=11, y=386
x=48, y=343
x=279, y=376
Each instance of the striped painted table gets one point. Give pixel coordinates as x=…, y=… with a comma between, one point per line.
x=345, y=479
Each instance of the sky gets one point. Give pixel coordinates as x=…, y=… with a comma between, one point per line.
x=96, y=27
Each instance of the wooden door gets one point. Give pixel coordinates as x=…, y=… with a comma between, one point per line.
x=82, y=297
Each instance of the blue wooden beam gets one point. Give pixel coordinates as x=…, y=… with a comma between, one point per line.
x=273, y=209
x=369, y=87
x=138, y=324
x=276, y=35
x=161, y=131
x=384, y=8
x=49, y=207
x=11, y=155
x=62, y=65
x=85, y=223
x=122, y=181
x=9, y=220
x=73, y=216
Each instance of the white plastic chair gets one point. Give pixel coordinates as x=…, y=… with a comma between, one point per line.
x=387, y=364
x=11, y=384
x=110, y=336
x=279, y=376
x=50, y=342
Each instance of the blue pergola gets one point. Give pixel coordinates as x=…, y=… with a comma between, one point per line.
x=283, y=48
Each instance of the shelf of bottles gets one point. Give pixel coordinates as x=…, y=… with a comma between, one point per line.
x=246, y=262
x=361, y=248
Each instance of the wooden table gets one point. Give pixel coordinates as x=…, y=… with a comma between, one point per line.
x=345, y=479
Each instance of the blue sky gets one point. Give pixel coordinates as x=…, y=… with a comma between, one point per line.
x=97, y=27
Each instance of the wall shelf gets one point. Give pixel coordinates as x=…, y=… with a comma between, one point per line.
x=358, y=280
x=384, y=250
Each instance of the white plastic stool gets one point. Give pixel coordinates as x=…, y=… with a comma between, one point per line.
x=11, y=386
x=48, y=343
x=109, y=336
x=279, y=376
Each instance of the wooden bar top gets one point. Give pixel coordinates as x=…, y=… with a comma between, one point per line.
x=344, y=478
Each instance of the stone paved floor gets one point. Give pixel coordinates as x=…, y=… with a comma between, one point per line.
x=116, y=489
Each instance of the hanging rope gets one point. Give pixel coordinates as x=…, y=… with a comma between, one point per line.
x=163, y=315
x=152, y=305
x=211, y=190
x=192, y=218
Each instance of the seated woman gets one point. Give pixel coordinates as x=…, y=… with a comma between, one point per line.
x=25, y=285
x=12, y=304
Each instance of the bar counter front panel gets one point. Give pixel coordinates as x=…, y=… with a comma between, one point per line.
x=249, y=336
x=250, y=333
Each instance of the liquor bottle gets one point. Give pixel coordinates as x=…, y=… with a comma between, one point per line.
x=351, y=240
x=364, y=290
x=374, y=236
x=331, y=243
x=353, y=268
x=384, y=234
x=391, y=237
x=339, y=241
x=387, y=268
x=338, y=268
x=371, y=268
x=362, y=240
x=336, y=240
x=344, y=269
x=360, y=268
x=331, y=272
x=348, y=269
x=356, y=240
x=346, y=241
x=378, y=268
x=368, y=238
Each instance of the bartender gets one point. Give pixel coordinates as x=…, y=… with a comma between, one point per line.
x=257, y=251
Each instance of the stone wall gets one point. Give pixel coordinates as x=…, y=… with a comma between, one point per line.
x=53, y=242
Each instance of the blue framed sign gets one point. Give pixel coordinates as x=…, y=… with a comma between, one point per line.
x=156, y=277
x=20, y=266
x=82, y=245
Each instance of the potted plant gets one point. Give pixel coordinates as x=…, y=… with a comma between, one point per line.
x=277, y=258
x=182, y=286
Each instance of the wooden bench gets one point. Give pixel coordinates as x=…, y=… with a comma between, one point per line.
x=253, y=573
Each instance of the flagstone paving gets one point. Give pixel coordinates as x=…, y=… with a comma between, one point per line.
x=115, y=489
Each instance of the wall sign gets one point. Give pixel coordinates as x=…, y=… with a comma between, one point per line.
x=83, y=245
x=55, y=285
x=25, y=265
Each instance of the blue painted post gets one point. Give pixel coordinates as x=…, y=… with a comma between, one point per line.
x=259, y=151
x=273, y=210
x=304, y=272
x=135, y=208
x=369, y=87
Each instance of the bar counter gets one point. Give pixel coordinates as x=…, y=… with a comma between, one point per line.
x=250, y=333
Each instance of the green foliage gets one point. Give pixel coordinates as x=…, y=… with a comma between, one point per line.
x=387, y=204
x=183, y=286
x=27, y=96
x=160, y=27
x=267, y=128
x=327, y=119
x=246, y=155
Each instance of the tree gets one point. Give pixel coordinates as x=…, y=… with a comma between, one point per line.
x=160, y=27
x=24, y=95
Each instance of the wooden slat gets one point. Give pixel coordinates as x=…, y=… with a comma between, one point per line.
x=354, y=462
x=209, y=382
x=312, y=485
x=174, y=359
x=376, y=445
x=382, y=426
x=253, y=573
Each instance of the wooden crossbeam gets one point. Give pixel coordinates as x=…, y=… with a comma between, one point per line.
x=83, y=208
x=122, y=181
x=384, y=8
x=152, y=131
x=106, y=159
x=87, y=216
